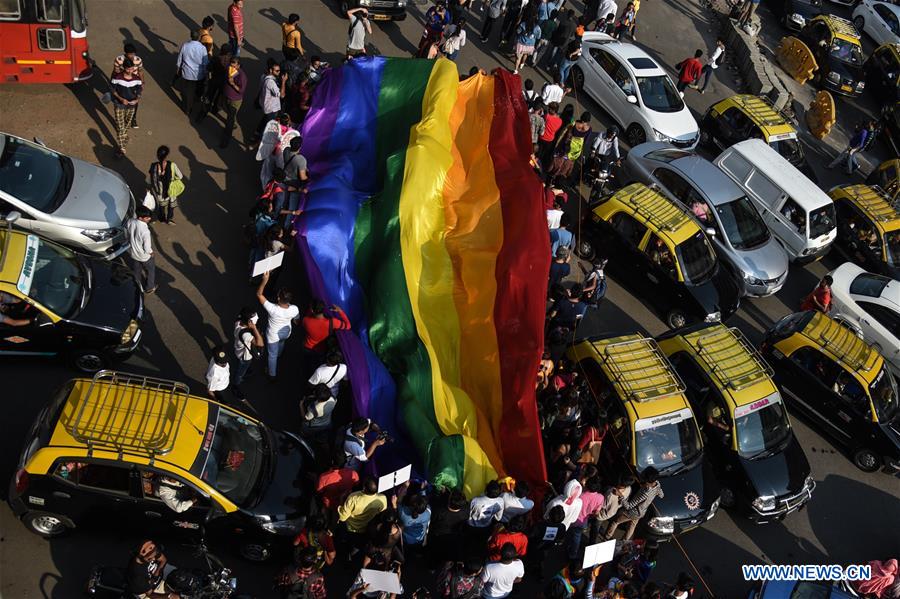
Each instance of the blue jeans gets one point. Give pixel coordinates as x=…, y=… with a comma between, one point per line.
x=240, y=372
x=573, y=541
x=706, y=73
x=293, y=202
x=564, y=68
x=235, y=48
x=274, y=350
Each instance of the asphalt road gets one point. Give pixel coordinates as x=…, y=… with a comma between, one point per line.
x=201, y=270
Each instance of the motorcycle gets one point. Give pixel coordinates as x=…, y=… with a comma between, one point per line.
x=213, y=581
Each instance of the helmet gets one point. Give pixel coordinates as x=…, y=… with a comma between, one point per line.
x=612, y=131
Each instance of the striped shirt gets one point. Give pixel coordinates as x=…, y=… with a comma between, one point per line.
x=638, y=504
x=126, y=88
x=119, y=62
x=235, y=22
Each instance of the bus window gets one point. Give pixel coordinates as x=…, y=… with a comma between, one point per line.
x=51, y=39
x=10, y=10
x=50, y=11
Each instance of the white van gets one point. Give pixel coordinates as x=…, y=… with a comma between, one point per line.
x=799, y=214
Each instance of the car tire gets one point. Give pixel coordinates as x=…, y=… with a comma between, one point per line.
x=585, y=249
x=676, y=319
x=866, y=460
x=578, y=78
x=255, y=552
x=45, y=524
x=635, y=135
x=859, y=22
x=88, y=361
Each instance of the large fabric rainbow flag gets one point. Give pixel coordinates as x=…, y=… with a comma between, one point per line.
x=424, y=222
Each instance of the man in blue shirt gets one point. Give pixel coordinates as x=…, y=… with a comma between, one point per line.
x=192, y=65
x=561, y=237
x=856, y=145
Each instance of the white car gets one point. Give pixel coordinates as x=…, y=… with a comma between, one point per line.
x=880, y=20
x=635, y=91
x=64, y=199
x=870, y=305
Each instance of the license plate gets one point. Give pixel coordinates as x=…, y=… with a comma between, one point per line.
x=380, y=17
x=846, y=88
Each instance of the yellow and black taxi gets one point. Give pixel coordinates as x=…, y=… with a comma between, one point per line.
x=130, y=450
x=868, y=231
x=883, y=72
x=835, y=44
x=54, y=301
x=658, y=250
x=763, y=470
x=745, y=116
x=889, y=126
x=840, y=383
x=887, y=176
x=651, y=424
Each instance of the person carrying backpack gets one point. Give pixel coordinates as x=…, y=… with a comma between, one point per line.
x=301, y=580
x=248, y=345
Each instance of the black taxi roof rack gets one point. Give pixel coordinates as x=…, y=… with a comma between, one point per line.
x=737, y=365
x=639, y=367
x=840, y=339
x=751, y=104
x=875, y=201
x=655, y=207
x=109, y=420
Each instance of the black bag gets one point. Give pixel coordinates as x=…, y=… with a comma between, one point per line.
x=255, y=352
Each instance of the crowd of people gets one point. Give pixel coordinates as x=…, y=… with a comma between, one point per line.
x=512, y=532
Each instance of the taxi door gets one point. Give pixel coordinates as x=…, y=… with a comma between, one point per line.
x=39, y=337
x=158, y=515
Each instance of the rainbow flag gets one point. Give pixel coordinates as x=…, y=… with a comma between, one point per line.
x=424, y=222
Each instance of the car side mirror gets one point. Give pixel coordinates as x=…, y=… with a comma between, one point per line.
x=39, y=141
x=631, y=99
x=12, y=216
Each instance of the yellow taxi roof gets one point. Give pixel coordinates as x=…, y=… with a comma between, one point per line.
x=763, y=115
x=732, y=362
x=134, y=415
x=841, y=28
x=12, y=254
x=893, y=47
x=874, y=204
x=640, y=373
x=843, y=345
x=661, y=214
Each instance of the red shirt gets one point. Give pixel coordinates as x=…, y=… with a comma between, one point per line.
x=318, y=329
x=552, y=123
x=690, y=70
x=309, y=539
x=502, y=537
x=822, y=294
x=334, y=485
x=235, y=22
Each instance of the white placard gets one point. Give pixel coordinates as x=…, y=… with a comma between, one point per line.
x=268, y=264
x=385, y=582
x=550, y=533
x=394, y=479
x=594, y=555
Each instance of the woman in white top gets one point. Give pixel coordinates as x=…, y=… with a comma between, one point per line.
x=316, y=409
x=454, y=39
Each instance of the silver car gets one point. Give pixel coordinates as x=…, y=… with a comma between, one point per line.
x=70, y=201
x=739, y=234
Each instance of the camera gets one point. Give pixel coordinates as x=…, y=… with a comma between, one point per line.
x=384, y=436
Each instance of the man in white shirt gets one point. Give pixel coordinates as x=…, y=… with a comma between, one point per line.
x=281, y=315
x=500, y=577
x=553, y=92
x=331, y=373
x=717, y=57
x=606, y=8
x=486, y=509
x=247, y=342
x=192, y=64
x=169, y=489
x=218, y=375
x=516, y=503
x=140, y=248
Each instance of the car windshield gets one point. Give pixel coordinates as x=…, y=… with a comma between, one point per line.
x=697, y=258
x=236, y=456
x=51, y=276
x=763, y=429
x=34, y=175
x=742, y=224
x=668, y=446
x=790, y=149
x=846, y=51
x=659, y=94
x=892, y=243
x=884, y=395
x=821, y=221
